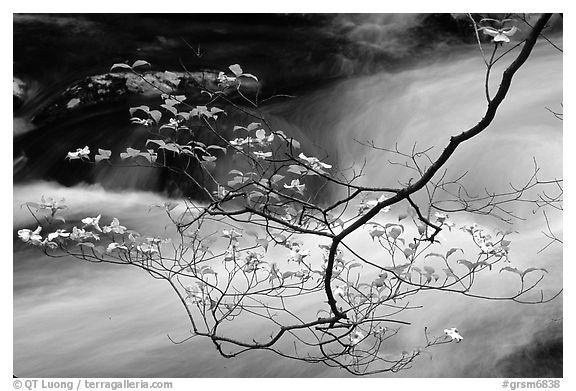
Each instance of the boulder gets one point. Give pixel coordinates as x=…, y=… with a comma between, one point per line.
x=109, y=87
x=18, y=93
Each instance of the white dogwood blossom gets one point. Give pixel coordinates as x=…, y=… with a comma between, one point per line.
x=33, y=237
x=92, y=221
x=454, y=334
x=80, y=153
x=500, y=35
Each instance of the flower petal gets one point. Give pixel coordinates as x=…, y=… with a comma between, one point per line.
x=511, y=31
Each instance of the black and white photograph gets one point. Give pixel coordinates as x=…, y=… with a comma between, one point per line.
x=288, y=195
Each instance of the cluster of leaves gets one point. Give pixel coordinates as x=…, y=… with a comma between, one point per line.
x=256, y=260
x=264, y=242
x=234, y=274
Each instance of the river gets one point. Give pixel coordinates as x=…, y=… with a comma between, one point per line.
x=74, y=319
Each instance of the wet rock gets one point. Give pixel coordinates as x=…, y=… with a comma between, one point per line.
x=109, y=87
x=18, y=93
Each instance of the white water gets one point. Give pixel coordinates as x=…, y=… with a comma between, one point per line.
x=81, y=320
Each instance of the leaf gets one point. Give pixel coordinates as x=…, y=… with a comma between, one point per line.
x=395, y=232
x=255, y=195
x=264, y=243
x=216, y=147
x=144, y=108
x=408, y=252
x=236, y=69
x=280, y=239
x=156, y=115
x=398, y=269
x=429, y=269
x=249, y=75
x=532, y=269
x=276, y=177
x=450, y=273
x=429, y=277
x=207, y=270
x=121, y=66
x=130, y=153
x=171, y=102
x=216, y=110
x=435, y=255
x=287, y=275
x=483, y=263
x=298, y=170
x=103, y=154
x=522, y=273
x=511, y=269
x=252, y=126
x=353, y=265
x=140, y=63
x=171, y=147
x=376, y=231
x=171, y=109
x=262, y=155
x=236, y=172
x=452, y=251
x=209, y=158
x=400, y=226
x=185, y=116
x=466, y=263
x=379, y=282
x=235, y=181
x=251, y=232
x=161, y=143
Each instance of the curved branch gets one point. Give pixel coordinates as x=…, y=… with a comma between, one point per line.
x=455, y=141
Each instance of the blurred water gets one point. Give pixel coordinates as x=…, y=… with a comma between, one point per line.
x=82, y=320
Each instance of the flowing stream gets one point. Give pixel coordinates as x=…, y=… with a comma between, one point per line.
x=74, y=319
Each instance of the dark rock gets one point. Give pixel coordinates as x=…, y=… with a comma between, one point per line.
x=110, y=87
x=541, y=358
x=288, y=51
x=18, y=93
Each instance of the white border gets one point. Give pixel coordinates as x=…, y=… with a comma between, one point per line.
x=305, y=6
